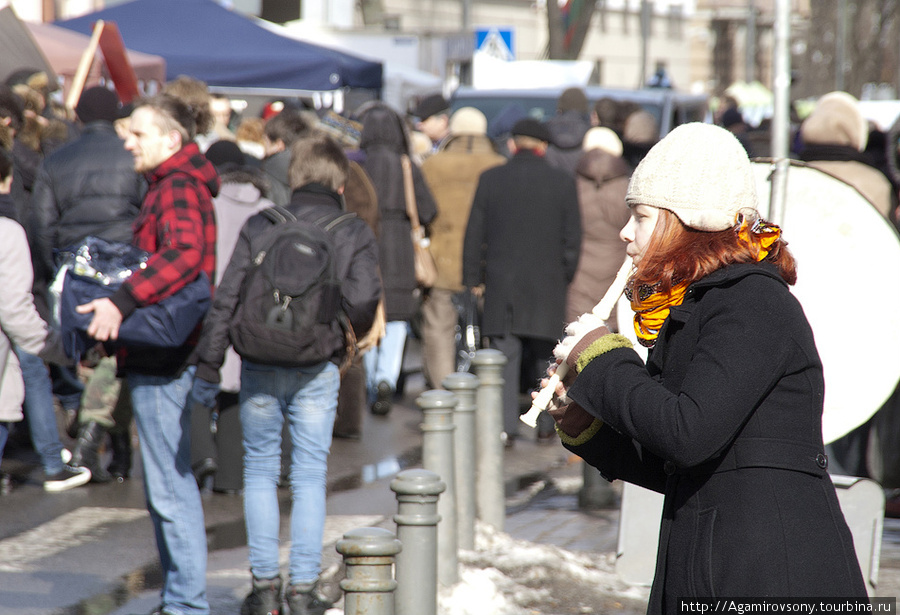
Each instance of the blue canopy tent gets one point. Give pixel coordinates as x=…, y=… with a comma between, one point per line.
x=204, y=40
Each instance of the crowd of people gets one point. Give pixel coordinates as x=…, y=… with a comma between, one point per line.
x=523, y=219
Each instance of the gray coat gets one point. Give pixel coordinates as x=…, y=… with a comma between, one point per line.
x=726, y=420
x=19, y=319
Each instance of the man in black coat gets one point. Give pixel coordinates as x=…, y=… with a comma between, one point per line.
x=89, y=187
x=522, y=245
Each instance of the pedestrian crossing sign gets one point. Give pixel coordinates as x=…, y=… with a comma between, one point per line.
x=496, y=42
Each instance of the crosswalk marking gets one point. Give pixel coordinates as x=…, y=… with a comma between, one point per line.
x=80, y=526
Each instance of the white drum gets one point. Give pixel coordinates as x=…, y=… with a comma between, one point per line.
x=846, y=255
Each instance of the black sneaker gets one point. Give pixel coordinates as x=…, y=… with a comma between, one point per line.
x=67, y=478
x=264, y=598
x=306, y=601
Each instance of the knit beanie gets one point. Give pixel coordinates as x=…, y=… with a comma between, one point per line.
x=699, y=172
x=836, y=120
x=98, y=103
x=224, y=152
x=572, y=99
x=603, y=138
x=468, y=121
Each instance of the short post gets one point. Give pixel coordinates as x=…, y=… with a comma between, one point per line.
x=369, y=558
x=437, y=455
x=417, y=518
x=489, y=487
x=464, y=385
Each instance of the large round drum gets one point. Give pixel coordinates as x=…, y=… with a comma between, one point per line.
x=846, y=256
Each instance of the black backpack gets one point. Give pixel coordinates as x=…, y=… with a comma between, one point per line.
x=289, y=310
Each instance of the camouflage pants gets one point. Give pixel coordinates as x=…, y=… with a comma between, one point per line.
x=105, y=399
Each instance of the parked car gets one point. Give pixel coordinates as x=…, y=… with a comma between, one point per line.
x=669, y=107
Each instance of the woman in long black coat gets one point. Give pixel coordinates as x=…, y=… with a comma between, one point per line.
x=725, y=418
x=384, y=140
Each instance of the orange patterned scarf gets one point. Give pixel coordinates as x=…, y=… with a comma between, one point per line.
x=653, y=309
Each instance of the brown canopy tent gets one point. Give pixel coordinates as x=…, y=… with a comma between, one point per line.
x=58, y=51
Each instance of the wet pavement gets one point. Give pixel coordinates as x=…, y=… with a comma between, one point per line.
x=90, y=550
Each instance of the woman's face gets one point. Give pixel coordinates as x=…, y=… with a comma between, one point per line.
x=636, y=234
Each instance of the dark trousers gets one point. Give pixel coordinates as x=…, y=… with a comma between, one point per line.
x=527, y=359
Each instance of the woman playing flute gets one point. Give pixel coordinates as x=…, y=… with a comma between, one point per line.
x=725, y=418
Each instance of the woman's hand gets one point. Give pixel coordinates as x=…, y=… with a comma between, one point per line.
x=570, y=418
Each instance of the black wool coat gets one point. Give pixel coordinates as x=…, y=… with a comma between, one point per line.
x=726, y=420
x=522, y=241
x=384, y=141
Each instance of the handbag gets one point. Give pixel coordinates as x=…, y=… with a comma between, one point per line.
x=96, y=269
x=426, y=268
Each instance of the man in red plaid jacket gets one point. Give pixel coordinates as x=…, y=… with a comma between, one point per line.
x=177, y=226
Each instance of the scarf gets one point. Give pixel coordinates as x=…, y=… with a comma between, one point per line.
x=651, y=307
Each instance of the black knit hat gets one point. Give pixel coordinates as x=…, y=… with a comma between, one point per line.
x=530, y=127
x=224, y=152
x=98, y=103
x=431, y=105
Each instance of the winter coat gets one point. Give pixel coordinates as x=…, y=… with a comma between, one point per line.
x=384, y=140
x=356, y=258
x=522, y=242
x=602, y=181
x=452, y=176
x=239, y=198
x=726, y=420
x=566, y=135
x=177, y=226
x=86, y=187
x=277, y=167
x=20, y=323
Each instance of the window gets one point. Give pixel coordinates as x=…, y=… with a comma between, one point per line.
x=675, y=22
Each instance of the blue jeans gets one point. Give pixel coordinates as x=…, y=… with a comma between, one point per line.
x=39, y=411
x=162, y=417
x=4, y=434
x=307, y=397
x=383, y=363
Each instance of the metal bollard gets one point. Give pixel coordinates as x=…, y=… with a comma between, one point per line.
x=464, y=385
x=417, y=519
x=489, y=488
x=369, y=557
x=437, y=456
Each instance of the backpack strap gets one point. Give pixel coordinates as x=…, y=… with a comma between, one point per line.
x=278, y=214
x=335, y=222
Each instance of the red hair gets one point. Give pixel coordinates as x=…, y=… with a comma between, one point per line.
x=677, y=253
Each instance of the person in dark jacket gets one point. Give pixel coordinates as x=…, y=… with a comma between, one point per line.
x=281, y=132
x=385, y=141
x=522, y=244
x=567, y=130
x=177, y=226
x=725, y=418
x=89, y=187
x=304, y=396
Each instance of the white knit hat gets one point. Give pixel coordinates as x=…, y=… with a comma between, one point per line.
x=603, y=138
x=699, y=172
x=468, y=121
